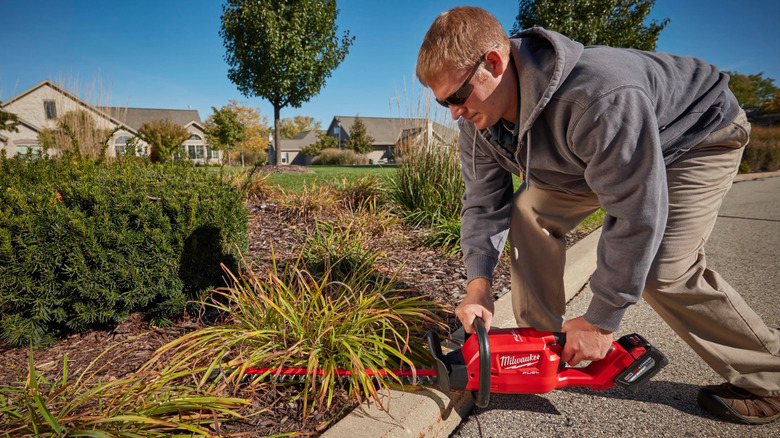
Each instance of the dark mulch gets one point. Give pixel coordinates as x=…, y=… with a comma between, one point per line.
x=425, y=269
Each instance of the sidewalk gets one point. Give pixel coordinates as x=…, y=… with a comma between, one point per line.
x=744, y=248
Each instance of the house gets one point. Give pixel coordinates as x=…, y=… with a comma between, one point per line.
x=291, y=148
x=388, y=132
x=41, y=107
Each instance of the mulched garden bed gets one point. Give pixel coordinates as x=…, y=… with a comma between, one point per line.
x=425, y=269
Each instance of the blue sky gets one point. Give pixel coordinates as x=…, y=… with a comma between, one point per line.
x=168, y=54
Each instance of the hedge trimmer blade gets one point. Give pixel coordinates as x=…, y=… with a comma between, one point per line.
x=411, y=376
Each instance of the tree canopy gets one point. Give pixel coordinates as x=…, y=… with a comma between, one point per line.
x=256, y=126
x=224, y=130
x=616, y=23
x=752, y=90
x=164, y=136
x=282, y=50
x=289, y=128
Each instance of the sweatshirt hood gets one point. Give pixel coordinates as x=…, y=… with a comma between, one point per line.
x=543, y=60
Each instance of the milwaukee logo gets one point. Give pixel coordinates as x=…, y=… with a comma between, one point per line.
x=511, y=362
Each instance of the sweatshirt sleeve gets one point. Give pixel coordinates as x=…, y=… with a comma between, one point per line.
x=486, y=205
x=617, y=136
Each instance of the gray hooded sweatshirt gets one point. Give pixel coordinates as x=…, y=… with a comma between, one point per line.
x=591, y=120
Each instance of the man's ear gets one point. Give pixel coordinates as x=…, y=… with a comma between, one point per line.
x=495, y=63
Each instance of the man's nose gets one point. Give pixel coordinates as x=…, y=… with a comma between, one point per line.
x=456, y=111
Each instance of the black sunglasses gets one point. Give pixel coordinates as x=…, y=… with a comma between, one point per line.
x=462, y=94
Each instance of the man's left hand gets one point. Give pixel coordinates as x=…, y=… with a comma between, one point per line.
x=584, y=341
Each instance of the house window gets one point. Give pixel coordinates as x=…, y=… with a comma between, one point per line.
x=195, y=137
x=213, y=154
x=120, y=145
x=285, y=157
x=196, y=151
x=50, y=108
x=33, y=149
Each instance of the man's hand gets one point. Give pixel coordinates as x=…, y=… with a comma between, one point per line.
x=584, y=341
x=478, y=303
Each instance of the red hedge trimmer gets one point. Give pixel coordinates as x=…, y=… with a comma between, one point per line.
x=519, y=361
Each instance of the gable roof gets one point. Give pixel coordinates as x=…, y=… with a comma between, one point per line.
x=389, y=130
x=135, y=117
x=301, y=140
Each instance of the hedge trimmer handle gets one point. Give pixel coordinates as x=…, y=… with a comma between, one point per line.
x=482, y=396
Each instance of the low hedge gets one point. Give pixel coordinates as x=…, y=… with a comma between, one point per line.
x=84, y=244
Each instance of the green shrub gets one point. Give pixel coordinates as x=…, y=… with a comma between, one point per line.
x=338, y=157
x=83, y=244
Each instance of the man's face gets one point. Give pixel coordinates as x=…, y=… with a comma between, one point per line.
x=482, y=107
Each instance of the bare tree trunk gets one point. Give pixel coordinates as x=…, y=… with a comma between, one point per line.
x=277, y=137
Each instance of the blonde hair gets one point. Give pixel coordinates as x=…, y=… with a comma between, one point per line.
x=456, y=40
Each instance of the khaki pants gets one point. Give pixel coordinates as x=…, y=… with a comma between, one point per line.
x=701, y=307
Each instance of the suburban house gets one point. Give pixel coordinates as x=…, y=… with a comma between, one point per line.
x=41, y=106
x=388, y=132
x=291, y=148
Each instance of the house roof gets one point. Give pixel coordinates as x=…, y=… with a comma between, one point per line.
x=300, y=141
x=135, y=117
x=388, y=130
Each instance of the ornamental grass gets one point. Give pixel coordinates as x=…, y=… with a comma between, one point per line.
x=292, y=318
x=143, y=404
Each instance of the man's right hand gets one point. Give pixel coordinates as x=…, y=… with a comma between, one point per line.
x=478, y=303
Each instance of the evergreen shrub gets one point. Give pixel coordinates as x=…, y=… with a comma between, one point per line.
x=84, y=244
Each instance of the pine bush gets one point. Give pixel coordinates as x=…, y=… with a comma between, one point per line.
x=84, y=244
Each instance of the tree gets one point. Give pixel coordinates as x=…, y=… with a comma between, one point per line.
x=616, y=23
x=289, y=128
x=255, y=127
x=8, y=121
x=224, y=130
x=324, y=141
x=773, y=106
x=282, y=50
x=359, y=140
x=752, y=90
x=164, y=136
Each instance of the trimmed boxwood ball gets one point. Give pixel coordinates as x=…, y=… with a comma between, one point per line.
x=84, y=244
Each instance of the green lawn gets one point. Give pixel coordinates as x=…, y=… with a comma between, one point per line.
x=327, y=174
x=322, y=174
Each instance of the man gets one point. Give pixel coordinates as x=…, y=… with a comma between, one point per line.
x=652, y=138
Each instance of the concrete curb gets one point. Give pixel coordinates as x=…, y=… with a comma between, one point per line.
x=431, y=413
x=752, y=176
